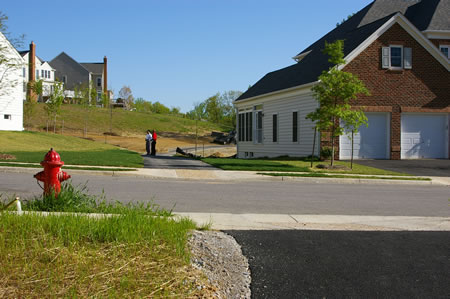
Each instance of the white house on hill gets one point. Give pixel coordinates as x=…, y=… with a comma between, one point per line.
x=11, y=87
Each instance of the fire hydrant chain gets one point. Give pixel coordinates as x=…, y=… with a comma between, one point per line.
x=52, y=175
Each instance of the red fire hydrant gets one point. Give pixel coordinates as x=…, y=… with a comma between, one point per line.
x=52, y=176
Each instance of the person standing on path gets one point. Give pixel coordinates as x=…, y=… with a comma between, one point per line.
x=154, y=143
x=148, y=139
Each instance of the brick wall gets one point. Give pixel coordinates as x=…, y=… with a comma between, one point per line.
x=438, y=42
x=424, y=88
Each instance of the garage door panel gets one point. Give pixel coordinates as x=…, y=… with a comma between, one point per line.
x=370, y=142
x=423, y=136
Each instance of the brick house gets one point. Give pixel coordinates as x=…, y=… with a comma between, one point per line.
x=400, y=50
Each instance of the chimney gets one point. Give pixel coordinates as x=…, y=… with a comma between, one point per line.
x=105, y=76
x=32, y=70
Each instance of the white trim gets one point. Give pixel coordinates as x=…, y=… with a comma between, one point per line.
x=11, y=47
x=296, y=90
x=411, y=29
x=437, y=34
x=395, y=68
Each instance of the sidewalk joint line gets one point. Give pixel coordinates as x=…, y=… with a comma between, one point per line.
x=293, y=218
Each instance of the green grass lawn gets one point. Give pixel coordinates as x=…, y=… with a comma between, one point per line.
x=123, y=121
x=137, y=251
x=285, y=164
x=344, y=176
x=31, y=147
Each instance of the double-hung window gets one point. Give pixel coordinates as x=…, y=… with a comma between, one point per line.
x=396, y=57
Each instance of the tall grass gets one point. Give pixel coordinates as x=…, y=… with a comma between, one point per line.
x=139, y=251
x=77, y=199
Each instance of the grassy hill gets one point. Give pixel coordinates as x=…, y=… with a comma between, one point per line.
x=32, y=147
x=123, y=122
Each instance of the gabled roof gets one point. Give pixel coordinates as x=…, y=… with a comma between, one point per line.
x=425, y=15
x=95, y=68
x=11, y=47
x=25, y=52
x=354, y=31
x=64, y=60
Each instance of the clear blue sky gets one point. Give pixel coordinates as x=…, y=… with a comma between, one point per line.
x=178, y=52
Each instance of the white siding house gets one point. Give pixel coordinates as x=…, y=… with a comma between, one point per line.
x=44, y=72
x=11, y=87
x=276, y=125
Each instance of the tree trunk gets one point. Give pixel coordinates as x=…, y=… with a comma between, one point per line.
x=351, y=160
x=314, y=145
x=54, y=125
x=332, y=142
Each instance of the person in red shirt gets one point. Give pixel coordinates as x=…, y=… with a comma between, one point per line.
x=154, y=143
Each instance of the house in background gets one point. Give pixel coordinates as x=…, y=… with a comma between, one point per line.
x=400, y=50
x=37, y=69
x=11, y=87
x=74, y=74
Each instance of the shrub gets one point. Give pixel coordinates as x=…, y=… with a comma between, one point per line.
x=325, y=153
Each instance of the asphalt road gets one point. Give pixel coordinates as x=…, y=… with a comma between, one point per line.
x=347, y=264
x=263, y=197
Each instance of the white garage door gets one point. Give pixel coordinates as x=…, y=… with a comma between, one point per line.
x=370, y=142
x=424, y=136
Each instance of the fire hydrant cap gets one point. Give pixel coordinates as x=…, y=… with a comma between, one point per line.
x=52, y=158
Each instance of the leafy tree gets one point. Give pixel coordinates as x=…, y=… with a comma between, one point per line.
x=82, y=94
x=217, y=108
x=29, y=106
x=334, y=92
x=159, y=108
x=175, y=110
x=141, y=105
x=126, y=94
x=53, y=104
x=214, y=109
x=229, y=113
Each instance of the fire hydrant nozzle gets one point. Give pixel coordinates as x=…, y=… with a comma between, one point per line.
x=52, y=175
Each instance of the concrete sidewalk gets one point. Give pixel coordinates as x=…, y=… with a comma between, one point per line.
x=224, y=221
x=230, y=176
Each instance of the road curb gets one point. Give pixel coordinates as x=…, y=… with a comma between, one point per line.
x=226, y=221
x=233, y=176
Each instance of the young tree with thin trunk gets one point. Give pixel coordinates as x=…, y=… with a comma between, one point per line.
x=53, y=104
x=334, y=92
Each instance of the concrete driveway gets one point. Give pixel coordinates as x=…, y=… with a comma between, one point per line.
x=425, y=167
x=170, y=162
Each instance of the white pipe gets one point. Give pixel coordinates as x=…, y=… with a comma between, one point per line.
x=19, y=206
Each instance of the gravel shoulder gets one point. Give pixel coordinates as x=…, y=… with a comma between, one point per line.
x=220, y=257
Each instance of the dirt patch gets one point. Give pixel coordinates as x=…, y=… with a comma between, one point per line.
x=334, y=167
x=166, y=141
x=7, y=157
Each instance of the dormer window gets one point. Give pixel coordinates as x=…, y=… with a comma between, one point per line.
x=396, y=57
x=445, y=50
